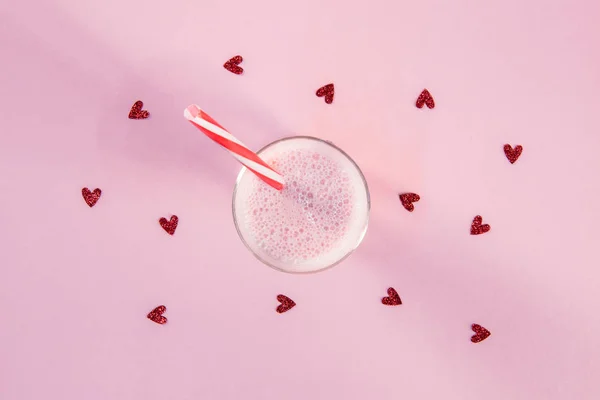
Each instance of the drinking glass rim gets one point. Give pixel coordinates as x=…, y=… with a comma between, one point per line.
x=365, y=185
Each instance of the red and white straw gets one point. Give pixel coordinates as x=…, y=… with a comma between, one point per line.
x=247, y=157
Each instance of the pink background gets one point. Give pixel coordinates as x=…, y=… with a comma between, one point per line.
x=76, y=283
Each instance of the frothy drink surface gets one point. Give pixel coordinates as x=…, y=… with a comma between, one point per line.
x=312, y=220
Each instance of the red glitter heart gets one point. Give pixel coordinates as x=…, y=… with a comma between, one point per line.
x=286, y=303
x=326, y=91
x=156, y=315
x=480, y=333
x=393, y=299
x=425, y=98
x=407, y=200
x=512, y=155
x=136, y=111
x=91, y=198
x=477, y=228
x=169, y=226
x=232, y=65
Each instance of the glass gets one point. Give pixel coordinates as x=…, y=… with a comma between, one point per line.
x=317, y=220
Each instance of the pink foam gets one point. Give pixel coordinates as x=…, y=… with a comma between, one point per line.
x=310, y=216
